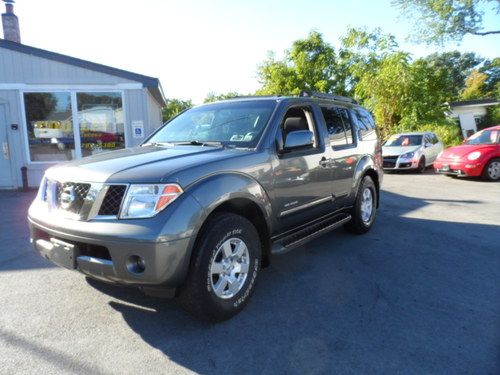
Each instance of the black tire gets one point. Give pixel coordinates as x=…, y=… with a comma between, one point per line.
x=357, y=225
x=197, y=295
x=421, y=165
x=487, y=171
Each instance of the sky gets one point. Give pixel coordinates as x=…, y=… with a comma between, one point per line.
x=196, y=47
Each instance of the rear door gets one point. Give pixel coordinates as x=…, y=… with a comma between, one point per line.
x=342, y=144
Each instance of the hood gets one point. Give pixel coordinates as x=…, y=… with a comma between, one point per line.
x=396, y=151
x=457, y=152
x=148, y=164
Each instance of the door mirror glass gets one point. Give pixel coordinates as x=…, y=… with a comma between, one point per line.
x=298, y=139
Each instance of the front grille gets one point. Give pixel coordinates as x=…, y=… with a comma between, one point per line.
x=113, y=200
x=390, y=161
x=80, y=192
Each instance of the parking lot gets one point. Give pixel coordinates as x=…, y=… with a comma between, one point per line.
x=419, y=294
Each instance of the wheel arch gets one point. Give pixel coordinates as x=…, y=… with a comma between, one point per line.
x=366, y=167
x=234, y=193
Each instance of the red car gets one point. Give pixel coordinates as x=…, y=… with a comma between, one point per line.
x=479, y=155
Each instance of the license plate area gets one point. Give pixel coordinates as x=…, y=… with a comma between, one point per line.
x=445, y=167
x=63, y=253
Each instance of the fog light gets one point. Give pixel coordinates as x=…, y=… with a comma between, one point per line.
x=136, y=264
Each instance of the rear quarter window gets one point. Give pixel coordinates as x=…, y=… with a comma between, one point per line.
x=365, y=124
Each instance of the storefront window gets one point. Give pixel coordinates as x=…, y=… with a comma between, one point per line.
x=100, y=116
x=49, y=126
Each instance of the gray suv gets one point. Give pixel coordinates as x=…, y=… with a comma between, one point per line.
x=198, y=209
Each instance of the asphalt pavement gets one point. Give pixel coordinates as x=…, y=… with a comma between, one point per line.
x=419, y=294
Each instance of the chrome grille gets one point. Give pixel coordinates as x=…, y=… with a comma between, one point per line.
x=80, y=192
x=113, y=200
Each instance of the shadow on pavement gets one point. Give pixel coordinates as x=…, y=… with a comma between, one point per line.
x=411, y=294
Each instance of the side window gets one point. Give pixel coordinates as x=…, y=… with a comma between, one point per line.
x=335, y=126
x=347, y=125
x=298, y=118
x=434, y=138
x=366, y=125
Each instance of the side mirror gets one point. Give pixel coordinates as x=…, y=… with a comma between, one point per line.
x=298, y=139
x=427, y=145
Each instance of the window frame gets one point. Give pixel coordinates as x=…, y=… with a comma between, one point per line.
x=353, y=127
x=312, y=121
x=74, y=114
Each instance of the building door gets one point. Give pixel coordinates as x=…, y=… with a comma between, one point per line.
x=5, y=168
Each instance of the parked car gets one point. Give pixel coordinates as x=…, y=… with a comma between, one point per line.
x=479, y=155
x=204, y=203
x=411, y=151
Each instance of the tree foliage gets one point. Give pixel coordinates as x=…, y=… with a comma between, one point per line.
x=174, y=107
x=438, y=21
x=212, y=97
x=310, y=64
x=474, y=86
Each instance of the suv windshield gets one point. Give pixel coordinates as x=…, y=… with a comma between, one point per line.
x=236, y=124
x=485, y=137
x=403, y=140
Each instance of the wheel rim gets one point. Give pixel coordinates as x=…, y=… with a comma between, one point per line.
x=494, y=170
x=229, y=268
x=367, y=205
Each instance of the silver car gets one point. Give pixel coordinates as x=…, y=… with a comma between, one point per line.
x=411, y=151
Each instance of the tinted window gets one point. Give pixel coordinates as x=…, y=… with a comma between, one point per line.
x=366, y=125
x=335, y=126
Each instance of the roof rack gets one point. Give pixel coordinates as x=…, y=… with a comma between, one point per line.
x=321, y=95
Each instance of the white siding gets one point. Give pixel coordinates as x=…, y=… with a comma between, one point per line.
x=17, y=67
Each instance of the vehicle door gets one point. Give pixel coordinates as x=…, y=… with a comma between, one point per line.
x=301, y=175
x=342, y=142
x=427, y=149
x=438, y=146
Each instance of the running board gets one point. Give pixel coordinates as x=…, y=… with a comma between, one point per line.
x=300, y=237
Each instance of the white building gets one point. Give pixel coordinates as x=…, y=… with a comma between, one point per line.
x=470, y=113
x=55, y=108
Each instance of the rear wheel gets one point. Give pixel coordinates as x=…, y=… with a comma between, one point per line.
x=365, y=207
x=224, y=268
x=492, y=170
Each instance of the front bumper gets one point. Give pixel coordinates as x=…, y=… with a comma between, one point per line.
x=396, y=164
x=103, y=250
x=458, y=168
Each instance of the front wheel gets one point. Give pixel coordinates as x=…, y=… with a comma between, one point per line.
x=365, y=207
x=224, y=268
x=492, y=170
x=421, y=165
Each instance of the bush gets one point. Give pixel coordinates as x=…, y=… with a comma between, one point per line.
x=447, y=131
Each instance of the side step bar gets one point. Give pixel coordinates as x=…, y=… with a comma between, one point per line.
x=285, y=244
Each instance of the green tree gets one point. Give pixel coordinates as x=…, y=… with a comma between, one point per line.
x=212, y=97
x=450, y=70
x=474, y=86
x=438, y=21
x=311, y=64
x=174, y=107
x=386, y=90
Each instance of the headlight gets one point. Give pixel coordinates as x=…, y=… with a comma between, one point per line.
x=474, y=155
x=408, y=155
x=143, y=201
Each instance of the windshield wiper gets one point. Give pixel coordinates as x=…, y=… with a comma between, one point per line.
x=200, y=143
x=157, y=144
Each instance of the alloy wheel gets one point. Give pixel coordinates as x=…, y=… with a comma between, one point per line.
x=229, y=268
